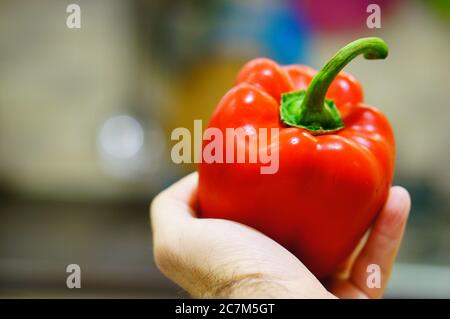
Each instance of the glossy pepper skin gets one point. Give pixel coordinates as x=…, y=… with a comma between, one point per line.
x=329, y=186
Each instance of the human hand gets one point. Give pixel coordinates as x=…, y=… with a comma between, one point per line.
x=215, y=258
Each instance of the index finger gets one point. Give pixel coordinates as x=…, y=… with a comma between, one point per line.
x=174, y=206
x=383, y=242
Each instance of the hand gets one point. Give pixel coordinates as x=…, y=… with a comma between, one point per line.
x=215, y=258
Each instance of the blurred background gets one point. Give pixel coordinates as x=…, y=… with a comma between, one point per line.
x=86, y=116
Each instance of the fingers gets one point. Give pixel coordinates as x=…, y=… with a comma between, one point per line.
x=172, y=209
x=184, y=190
x=383, y=243
x=175, y=202
x=171, y=214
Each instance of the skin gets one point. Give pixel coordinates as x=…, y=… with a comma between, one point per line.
x=214, y=258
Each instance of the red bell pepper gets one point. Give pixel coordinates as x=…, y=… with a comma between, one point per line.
x=336, y=157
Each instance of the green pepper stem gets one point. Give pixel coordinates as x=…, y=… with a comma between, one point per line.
x=372, y=48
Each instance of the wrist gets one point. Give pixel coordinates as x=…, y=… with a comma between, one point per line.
x=259, y=286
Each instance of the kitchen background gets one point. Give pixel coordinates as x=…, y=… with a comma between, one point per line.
x=86, y=116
